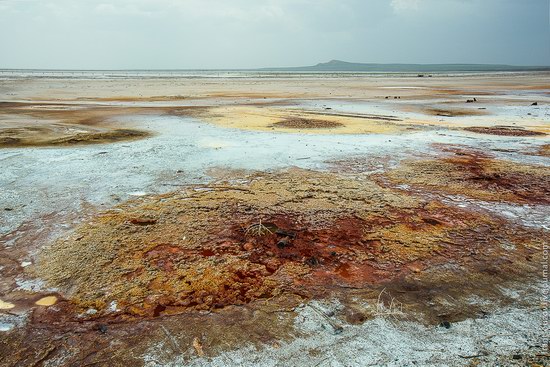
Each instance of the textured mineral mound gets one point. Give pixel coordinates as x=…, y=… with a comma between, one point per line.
x=64, y=135
x=477, y=175
x=295, y=233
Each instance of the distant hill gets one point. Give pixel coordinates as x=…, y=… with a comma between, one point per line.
x=337, y=65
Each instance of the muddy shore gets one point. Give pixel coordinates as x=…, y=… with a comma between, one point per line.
x=311, y=221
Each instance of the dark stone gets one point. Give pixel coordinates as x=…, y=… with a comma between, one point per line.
x=283, y=243
x=445, y=324
x=312, y=261
x=102, y=328
x=534, y=104
x=8, y=209
x=517, y=356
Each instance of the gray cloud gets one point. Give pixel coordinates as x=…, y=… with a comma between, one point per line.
x=247, y=33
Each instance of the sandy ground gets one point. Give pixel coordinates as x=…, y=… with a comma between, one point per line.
x=297, y=220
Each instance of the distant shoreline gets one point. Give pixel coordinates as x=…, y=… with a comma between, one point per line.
x=244, y=74
x=334, y=66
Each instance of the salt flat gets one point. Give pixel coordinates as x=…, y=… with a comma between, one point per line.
x=281, y=220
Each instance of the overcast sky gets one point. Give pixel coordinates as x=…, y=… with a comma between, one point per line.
x=177, y=34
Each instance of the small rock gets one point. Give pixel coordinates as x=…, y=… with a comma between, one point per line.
x=8, y=209
x=102, y=328
x=312, y=261
x=113, y=306
x=248, y=246
x=534, y=104
x=517, y=356
x=445, y=324
x=284, y=242
x=143, y=221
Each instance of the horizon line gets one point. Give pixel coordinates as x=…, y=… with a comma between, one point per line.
x=279, y=67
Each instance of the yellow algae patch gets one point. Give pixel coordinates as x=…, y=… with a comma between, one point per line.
x=292, y=120
x=46, y=301
x=6, y=305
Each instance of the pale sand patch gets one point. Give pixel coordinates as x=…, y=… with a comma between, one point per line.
x=46, y=301
x=269, y=119
x=6, y=305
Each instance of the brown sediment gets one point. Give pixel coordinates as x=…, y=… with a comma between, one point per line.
x=455, y=112
x=58, y=135
x=305, y=123
x=295, y=233
x=476, y=174
x=503, y=130
x=543, y=151
x=255, y=95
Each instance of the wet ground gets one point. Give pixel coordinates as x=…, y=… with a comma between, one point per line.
x=239, y=232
